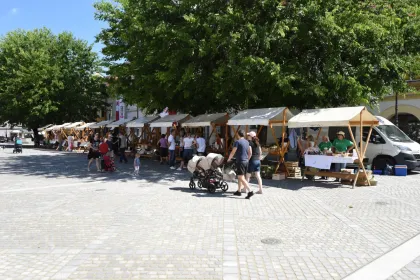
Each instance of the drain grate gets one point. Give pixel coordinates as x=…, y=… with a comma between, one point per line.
x=381, y=203
x=270, y=241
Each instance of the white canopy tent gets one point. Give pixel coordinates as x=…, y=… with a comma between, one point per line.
x=117, y=123
x=344, y=116
x=265, y=117
x=141, y=122
x=207, y=120
x=44, y=128
x=169, y=120
x=100, y=124
x=73, y=125
x=333, y=117
x=86, y=125
x=57, y=127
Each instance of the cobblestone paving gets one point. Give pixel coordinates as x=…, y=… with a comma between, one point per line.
x=59, y=221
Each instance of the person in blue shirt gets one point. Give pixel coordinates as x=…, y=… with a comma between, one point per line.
x=242, y=152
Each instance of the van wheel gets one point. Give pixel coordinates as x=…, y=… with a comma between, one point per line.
x=380, y=162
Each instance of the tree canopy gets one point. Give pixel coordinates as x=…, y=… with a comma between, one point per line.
x=47, y=78
x=213, y=55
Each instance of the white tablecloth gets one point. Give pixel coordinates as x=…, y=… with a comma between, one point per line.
x=324, y=162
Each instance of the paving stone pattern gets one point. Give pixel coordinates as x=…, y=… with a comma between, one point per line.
x=59, y=221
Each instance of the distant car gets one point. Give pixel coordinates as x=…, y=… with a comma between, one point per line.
x=3, y=139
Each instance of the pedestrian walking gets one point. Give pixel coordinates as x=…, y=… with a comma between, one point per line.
x=122, y=147
x=137, y=164
x=163, y=148
x=242, y=153
x=201, y=145
x=187, y=142
x=94, y=153
x=172, y=147
x=254, y=166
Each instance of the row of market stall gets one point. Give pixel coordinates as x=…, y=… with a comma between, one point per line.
x=274, y=120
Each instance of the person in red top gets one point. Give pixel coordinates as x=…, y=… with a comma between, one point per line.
x=103, y=147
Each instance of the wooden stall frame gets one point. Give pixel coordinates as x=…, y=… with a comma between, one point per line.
x=361, y=151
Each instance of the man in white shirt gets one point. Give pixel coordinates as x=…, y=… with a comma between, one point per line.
x=187, y=143
x=201, y=145
x=172, y=145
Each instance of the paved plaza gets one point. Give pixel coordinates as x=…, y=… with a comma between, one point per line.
x=59, y=221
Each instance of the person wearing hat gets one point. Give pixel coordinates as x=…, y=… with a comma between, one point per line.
x=341, y=145
x=254, y=165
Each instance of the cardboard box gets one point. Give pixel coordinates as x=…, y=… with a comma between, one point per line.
x=279, y=176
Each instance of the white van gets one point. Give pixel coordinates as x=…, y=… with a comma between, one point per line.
x=389, y=145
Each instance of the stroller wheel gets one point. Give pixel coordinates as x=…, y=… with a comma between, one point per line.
x=200, y=184
x=192, y=184
x=211, y=188
x=224, y=186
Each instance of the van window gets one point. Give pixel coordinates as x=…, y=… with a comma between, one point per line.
x=374, y=136
x=394, y=133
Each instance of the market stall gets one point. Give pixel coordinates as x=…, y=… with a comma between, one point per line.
x=143, y=124
x=84, y=144
x=101, y=125
x=213, y=121
x=337, y=117
x=266, y=117
x=169, y=122
x=71, y=128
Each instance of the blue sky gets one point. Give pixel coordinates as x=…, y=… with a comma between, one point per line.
x=76, y=16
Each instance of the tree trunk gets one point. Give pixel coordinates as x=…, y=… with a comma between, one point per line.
x=36, y=137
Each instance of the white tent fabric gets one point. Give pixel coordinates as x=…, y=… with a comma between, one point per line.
x=84, y=126
x=117, y=123
x=100, y=124
x=207, y=120
x=260, y=117
x=332, y=117
x=140, y=122
x=73, y=125
x=44, y=127
x=57, y=127
x=169, y=120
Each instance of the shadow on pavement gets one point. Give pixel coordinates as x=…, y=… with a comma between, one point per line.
x=74, y=165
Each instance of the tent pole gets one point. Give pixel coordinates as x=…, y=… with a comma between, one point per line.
x=281, y=157
x=367, y=140
x=246, y=129
x=360, y=158
x=317, y=136
x=226, y=139
x=361, y=132
x=259, y=130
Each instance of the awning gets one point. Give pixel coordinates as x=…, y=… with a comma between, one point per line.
x=207, y=120
x=57, y=127
x=84, y=126
x=44, y=127
x=117, y=123
x=333, y=117
x=169, y=120
x=140, y=122
x=73, y=125
x=100, y=124
x=264, y=117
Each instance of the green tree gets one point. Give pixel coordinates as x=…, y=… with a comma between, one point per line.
x=47, y=78
x=213, y=55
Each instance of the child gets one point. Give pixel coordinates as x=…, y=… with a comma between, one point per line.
x=108, y=162
x=137, y=164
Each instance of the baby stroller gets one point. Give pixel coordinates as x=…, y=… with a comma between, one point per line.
x=18, y=146
x=208, y=173
x=108, y=164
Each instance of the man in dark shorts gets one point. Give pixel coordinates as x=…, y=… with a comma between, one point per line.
x=242, y=152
